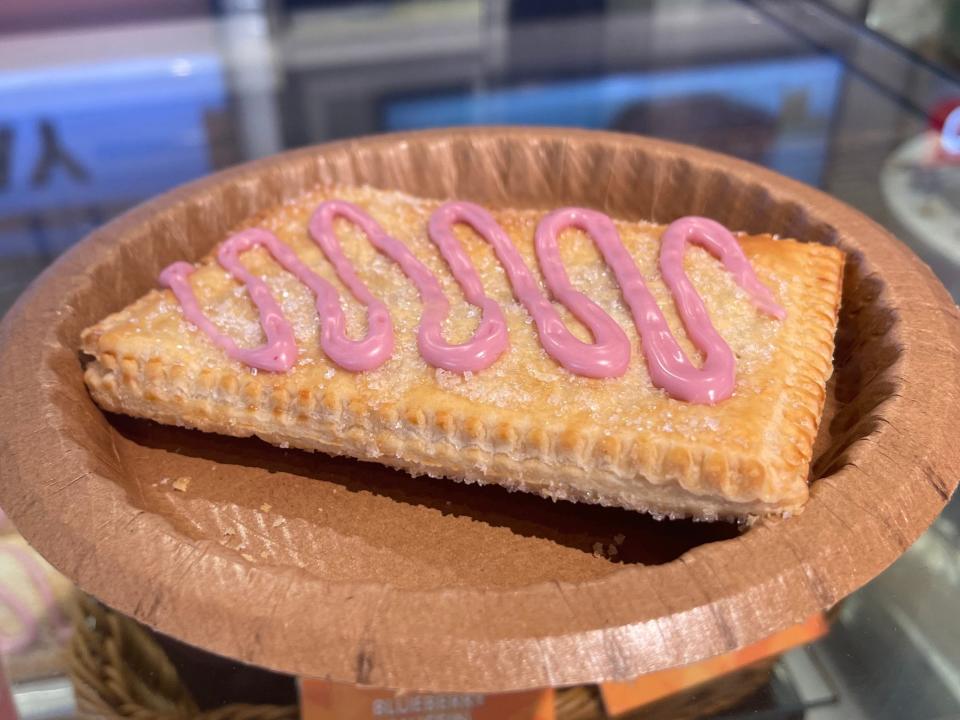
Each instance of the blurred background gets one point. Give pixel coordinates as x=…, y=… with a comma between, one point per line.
x=104, y=103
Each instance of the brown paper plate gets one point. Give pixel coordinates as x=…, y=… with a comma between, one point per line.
x=347, y=571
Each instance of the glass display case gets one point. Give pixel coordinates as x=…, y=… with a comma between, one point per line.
x=112, y=103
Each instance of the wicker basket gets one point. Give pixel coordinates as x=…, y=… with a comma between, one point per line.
x=120, y=671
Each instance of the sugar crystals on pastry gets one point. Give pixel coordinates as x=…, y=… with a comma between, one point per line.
x=678, y=370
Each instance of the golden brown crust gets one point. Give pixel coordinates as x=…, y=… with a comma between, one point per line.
x=524, y=423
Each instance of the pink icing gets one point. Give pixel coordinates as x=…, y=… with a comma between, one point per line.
x=669, y=366
x=29, y=626
x=279, y=353
x=607, y=356
x=27, y=616
x=490, y=339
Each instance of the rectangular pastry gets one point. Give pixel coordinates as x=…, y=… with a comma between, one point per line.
x=679, y=371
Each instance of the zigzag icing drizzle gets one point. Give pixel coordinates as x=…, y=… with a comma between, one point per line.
x=607, y=356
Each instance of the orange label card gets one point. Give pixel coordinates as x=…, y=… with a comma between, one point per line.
x=321, y=700
x=620, y=697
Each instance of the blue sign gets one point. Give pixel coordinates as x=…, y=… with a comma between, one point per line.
x=103, y=134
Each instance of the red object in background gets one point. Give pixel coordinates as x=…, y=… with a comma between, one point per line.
x=7, y=709
x=940, y=111
x=947, y=151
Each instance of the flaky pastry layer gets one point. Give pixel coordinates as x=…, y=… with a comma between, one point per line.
x=524, y=423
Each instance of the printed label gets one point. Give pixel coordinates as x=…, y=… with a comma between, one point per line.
x=321, y=700
x=620, y=697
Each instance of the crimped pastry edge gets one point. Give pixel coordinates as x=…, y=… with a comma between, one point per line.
x=491, y=447
x=578, y=466
x=804, y=398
